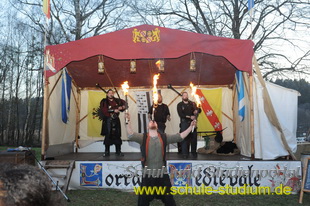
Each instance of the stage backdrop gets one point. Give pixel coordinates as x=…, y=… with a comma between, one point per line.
x=216, y=112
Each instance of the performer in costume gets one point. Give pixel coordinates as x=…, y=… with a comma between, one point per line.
x=111, y=126
x=188, y=112
x=154, y=157
x=161, y=114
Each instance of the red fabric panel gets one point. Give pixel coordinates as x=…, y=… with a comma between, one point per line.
x=210, y=70
x=173, y=44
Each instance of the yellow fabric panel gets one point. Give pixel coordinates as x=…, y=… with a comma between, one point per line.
x=94, y=124
x=214, y=97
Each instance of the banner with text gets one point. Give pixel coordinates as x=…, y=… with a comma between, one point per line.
x=128, y=174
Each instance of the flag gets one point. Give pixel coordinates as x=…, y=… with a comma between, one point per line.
x=49, y=66
x=49, y=60
x=65, y=95
x=250, y=4
x=143, y=99
x=210, y=118
x=94, y=123
x=241, y=100
x=46, y=8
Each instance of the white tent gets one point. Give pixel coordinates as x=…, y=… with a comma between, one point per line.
x=268, y=143
x=267, y=131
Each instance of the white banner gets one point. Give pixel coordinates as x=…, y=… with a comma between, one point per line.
x=127, y=174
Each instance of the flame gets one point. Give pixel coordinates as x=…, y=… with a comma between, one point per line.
x=194, y=88
x=157, y=63
x=125, y=87
x=155, y=94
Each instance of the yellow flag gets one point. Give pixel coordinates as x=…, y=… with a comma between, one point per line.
x=93, y=122
x=210, y=118
x=46, y=8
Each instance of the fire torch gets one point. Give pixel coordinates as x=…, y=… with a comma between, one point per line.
x=125, y=88
x=155, y=94
x=197, y=99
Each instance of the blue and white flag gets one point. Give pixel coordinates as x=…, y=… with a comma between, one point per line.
x=241, y=100
x=65, y=95
x=250, y=4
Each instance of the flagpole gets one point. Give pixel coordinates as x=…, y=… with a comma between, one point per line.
x=45, y=114
x=252, y=117
x=250, y=6
x=44, y=140
x=251, y=25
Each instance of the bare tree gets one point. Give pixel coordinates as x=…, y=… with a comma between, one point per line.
x=20, y=52
x=276, y=26
x=21, y=55
x=75, y=19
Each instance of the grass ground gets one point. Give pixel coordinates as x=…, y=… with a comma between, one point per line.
x=110, y=197
x=118, y=198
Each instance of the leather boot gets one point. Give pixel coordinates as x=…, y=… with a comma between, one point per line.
x=107, y=151
x=118, y=150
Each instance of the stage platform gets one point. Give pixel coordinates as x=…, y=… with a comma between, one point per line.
x=135, y=156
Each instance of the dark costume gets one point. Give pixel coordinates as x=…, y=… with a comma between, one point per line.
x=111, y=125
x=187, y=109
x=154, y=159
x=160, y=116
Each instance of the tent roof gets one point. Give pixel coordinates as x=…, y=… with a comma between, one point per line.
x=217, y=58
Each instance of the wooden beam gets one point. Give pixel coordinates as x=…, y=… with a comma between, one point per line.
x=44, y=140
x=251, y=115
x=160, y=87
x=78, y=122
x=77, y=118
x=52, y=90
x=234, y=116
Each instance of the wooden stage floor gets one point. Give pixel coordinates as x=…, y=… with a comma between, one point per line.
x=135, y=156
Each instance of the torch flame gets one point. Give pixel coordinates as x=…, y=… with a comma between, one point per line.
x=194, y=88
x=125, y=87
x=155, y=94
x=157, y=63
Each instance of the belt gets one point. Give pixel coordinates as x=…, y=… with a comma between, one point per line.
x=185, y=120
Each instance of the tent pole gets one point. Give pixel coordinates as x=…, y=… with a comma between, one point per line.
x=53, y=88
x=234, y=116
x=45, y=118
x=44, y=138
x=251, y=116
x=77, y=117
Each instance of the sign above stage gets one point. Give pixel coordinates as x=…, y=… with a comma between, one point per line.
x=146, y=36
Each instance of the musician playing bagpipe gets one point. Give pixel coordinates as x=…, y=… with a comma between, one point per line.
x=111, y=126
x=187, y=111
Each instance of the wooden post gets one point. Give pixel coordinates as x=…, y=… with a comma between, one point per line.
x=234, y=116
x=251, y=115
x=44, y=140
x=77, y=117
x=305, y=180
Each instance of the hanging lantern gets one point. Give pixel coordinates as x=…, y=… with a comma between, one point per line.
x=192, y=63
x=100, y=65
x=133, y=68
x=160, y=65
